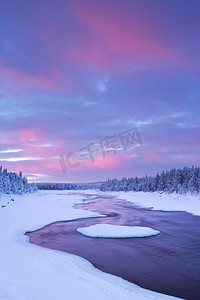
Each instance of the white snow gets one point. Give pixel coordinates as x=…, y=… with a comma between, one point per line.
x=161, y=201
x=31, y=272
x=116, y=231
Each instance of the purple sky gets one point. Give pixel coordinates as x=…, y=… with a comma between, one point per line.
x=75, y=72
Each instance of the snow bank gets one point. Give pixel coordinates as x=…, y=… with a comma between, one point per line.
x=161, y=201
x=116, y=231
x=31, y=272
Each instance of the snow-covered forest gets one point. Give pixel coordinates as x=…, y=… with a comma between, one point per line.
x=58, y=186
x=176, y=180
x=67, y=186
x=12, y=183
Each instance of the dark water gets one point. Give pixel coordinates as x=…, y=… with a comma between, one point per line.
x=168, y=263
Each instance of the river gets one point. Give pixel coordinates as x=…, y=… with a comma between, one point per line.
x=168, y=263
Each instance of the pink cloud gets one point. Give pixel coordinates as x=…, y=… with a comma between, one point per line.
x=34, y=143
x=109, y=162
x=121, y=36
x=51, y=81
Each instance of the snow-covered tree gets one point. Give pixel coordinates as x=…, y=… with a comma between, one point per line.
x=179, y=181
x=11, y=182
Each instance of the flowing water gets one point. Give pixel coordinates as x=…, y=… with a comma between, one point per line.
x=168, y=263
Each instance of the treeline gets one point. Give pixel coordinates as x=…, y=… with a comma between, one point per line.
x=13, y=183
x=59, y=186
x=176, y=180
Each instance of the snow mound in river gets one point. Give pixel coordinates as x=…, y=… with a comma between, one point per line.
x=116, y=231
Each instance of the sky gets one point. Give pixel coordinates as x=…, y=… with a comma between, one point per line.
x=77, y=78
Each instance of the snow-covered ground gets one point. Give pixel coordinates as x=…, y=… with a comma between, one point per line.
x=116, y=231
x=31, y=272
x=161, y=201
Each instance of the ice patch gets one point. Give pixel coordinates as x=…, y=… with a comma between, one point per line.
x=116, y=231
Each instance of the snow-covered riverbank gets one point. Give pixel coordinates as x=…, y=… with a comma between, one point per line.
x=161, y=201
x=31, y=272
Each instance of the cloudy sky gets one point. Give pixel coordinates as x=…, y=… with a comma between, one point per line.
x=76, y=73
